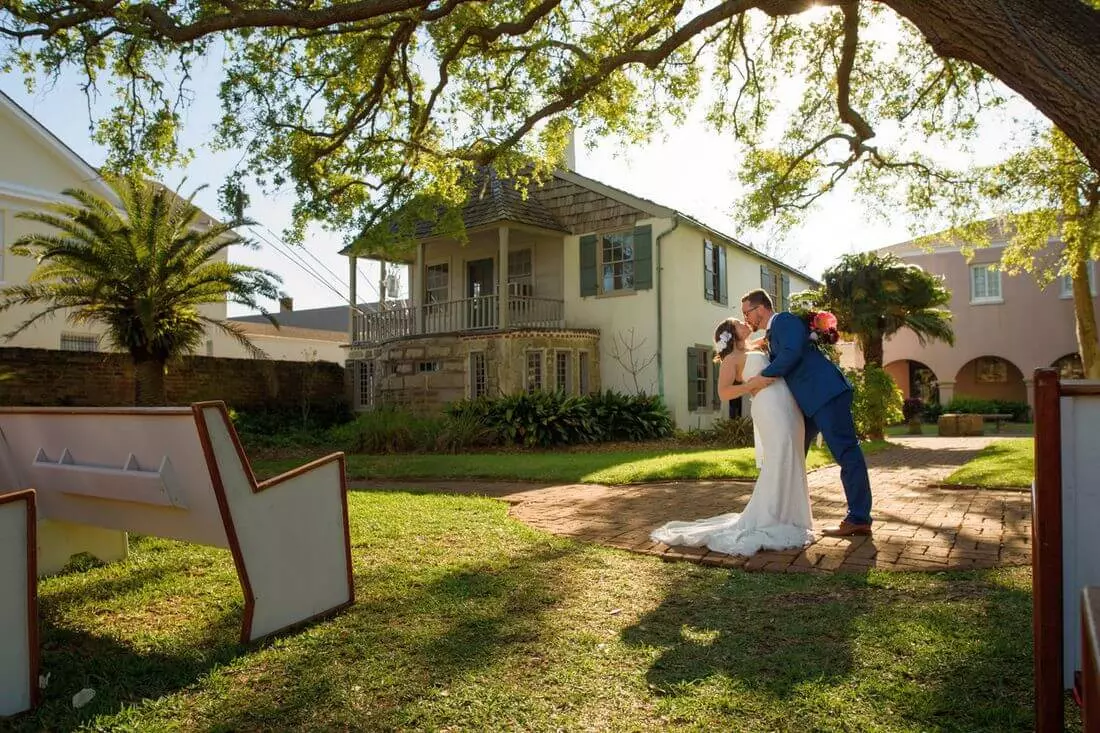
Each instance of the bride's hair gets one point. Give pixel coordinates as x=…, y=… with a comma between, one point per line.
x=725, y=339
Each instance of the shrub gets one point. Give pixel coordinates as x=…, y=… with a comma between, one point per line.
x=459, y=432
x=911, y=408
x=876, y=401
x=736, y=432
x=618, y=416
x=552, y=418
x=387, y=431
x=931, y=412
x=1020, y=411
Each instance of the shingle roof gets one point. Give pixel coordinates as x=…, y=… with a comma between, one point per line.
x=495, y=199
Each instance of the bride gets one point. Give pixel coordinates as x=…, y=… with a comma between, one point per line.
x=778, y=513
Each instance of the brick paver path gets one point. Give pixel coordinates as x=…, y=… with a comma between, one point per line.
x=918, y=526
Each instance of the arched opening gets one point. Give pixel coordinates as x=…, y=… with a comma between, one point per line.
x=991, y=378
x=1070, y=366
x=915, y=379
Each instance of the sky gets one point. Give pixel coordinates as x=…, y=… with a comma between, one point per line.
x=690, y=169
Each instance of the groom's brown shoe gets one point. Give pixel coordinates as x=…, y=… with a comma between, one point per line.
x=848, y=529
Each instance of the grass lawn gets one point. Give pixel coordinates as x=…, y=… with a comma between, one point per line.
x=468, y=621
x=613, y=467
x=1004, y=463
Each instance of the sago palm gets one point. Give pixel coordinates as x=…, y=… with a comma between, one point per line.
x=874, y=295
x=141, y=270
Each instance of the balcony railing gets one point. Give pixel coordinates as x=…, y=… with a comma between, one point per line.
x=468, y=314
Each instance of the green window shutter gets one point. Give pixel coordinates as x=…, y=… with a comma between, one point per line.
x=764, y=279
x=785, y=292
x=693, y=365
x=643, y=257
x=588, y=265
x=708, y=270
x=723, y=285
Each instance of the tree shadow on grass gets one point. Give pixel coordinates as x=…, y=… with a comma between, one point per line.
x=765, y=631
x=370, y=667
x=944, y=652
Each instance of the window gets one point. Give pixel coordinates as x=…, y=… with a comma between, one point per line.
x=479, y=375
x=79, y=342
x=778, y=286
x=3, y=244
x=1067, y=283
x=563, y=371
x=582, y=373
x=364, y=384
x=437, y=284
x=1070, y=367
x=209, y=347
x=520, y=271
x=428, y=366
x=714, y=273
x=985, y=284
x=534, y=371
x=990, y=369
x=702, y=378
x=617, y=261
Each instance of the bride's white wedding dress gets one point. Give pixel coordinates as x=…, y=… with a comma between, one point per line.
x=778, y=514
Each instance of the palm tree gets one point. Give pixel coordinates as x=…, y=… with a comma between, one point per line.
x=141, y=270
x=874, y=295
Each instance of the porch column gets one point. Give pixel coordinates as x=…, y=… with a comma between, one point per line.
x=353, y=299
x=502, y=279
x=416, y=287
x=1029, y=384
x=381, y=285
x=947, y=391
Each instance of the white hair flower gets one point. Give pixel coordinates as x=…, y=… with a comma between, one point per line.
x=723, y=341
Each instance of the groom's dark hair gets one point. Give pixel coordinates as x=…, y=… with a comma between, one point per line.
x=758, y=297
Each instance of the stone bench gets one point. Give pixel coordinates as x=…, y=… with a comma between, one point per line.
x=997, y=418
x=175, y=472
x=954, y=424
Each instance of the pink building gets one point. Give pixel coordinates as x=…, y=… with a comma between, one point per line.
x=1005, y=327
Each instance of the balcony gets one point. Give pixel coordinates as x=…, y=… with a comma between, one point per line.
x=481, y=313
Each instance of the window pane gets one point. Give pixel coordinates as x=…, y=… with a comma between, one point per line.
x=617, y=259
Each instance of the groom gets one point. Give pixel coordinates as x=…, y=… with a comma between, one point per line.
x=823, y=395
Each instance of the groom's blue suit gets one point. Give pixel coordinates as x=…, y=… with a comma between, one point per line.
x=825, y=398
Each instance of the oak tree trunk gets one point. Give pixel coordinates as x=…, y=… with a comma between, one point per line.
x=1085, y=314
x=1048, y=52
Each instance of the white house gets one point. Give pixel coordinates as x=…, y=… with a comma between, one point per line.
x=576, y=286
x=35, y=166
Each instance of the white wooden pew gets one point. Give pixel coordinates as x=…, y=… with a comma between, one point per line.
x=181, y=473
x=1065, y=504
x=18, y=604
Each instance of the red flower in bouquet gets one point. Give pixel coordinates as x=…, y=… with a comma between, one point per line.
x=824, y=321
x=823, y=327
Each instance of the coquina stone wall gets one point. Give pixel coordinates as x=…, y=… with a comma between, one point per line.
x=425, y=373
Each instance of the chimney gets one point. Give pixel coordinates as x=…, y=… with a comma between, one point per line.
x=286, y=304
x=571, y=150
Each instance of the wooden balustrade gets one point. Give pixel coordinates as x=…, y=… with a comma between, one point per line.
x=481, y=313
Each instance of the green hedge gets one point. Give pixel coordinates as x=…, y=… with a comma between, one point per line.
x=1020, y=411
x=876, y=400
x=552, y=418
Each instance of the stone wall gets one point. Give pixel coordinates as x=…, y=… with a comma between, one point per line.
x=78, y=378
x=426, y=373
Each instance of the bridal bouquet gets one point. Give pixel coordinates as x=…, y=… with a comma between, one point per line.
x=822, y=325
